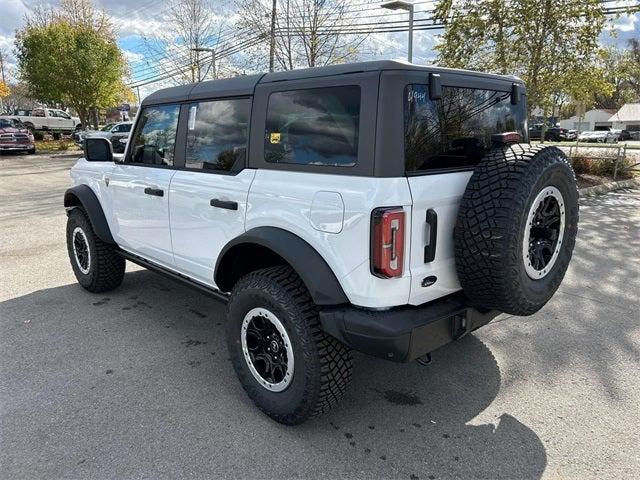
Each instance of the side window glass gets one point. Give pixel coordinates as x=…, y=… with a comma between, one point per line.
x=125, y=128
x=217, y=134
x=38, y=113
x=318, y=126
x=155, y=136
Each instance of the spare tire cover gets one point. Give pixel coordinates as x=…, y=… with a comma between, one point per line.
x=516, y=228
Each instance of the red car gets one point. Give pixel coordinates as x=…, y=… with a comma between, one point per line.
x=15, y=137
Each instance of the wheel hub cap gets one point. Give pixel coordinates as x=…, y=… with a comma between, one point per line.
x=81, y=250
x=267, y=349
x=543, y=233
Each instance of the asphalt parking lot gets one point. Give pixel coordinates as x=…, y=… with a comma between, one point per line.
x=137, y=384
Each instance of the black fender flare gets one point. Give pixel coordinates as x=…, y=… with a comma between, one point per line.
x=83, y=196
x=323, y=286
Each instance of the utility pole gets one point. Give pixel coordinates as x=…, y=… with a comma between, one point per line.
x=2, y=66
x=272, y=39
x=3, y=80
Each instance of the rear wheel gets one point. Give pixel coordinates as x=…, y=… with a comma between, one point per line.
x=288, y=366
x=96, y=264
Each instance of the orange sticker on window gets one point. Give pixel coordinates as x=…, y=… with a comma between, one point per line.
x=274, y=138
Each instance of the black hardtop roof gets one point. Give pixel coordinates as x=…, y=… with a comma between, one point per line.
x=245, y=85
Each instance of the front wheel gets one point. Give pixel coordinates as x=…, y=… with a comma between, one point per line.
x=96, y=264
x=288, y=366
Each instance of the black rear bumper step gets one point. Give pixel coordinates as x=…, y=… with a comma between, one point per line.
x=407, y=333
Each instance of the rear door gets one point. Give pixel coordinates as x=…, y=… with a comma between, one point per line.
x=444, y=139
x=139, y=186
x=208, y=195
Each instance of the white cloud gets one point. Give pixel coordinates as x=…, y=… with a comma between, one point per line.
x=133, y=57
x=626, y=23
x=12, y=16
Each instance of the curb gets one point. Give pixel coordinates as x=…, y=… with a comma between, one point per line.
x=608, y=187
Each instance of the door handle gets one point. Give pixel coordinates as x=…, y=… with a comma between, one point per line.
x=215, y=202
x=430, y=249
x=154, y=191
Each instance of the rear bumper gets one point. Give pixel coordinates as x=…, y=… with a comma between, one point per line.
x=406, y=333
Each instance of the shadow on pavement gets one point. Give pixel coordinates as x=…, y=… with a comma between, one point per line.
x=137, y=383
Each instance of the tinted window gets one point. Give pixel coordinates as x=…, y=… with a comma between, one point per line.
x=155, y=136
x=313, y=127
x=456, y=130
x=217, y=134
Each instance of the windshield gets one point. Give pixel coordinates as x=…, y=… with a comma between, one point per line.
x=107, y=127
x=455, y=131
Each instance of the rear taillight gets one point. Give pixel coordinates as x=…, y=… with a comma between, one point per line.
x=387, y=242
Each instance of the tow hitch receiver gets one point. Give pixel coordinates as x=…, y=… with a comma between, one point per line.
x=459, y=327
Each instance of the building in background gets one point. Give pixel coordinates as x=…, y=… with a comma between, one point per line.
x=596, y=119
x=627, y=118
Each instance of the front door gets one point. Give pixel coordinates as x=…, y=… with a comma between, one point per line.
x=140, y=186
x=208, y=198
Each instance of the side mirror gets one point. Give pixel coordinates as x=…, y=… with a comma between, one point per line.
x=98, y=150
x=516, y=92
x=435, y=86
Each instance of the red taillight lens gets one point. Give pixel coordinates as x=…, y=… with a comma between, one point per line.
x=387, y=242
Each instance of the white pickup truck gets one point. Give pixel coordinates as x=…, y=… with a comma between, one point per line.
x=47, y=119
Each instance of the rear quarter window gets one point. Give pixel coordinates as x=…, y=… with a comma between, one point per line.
x=455, y=131
x=318, y=126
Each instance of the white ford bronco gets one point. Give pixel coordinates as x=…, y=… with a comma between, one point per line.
x=382, y=207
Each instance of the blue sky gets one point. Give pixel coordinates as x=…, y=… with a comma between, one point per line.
x=144, y=17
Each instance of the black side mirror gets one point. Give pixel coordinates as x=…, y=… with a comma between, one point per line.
x=98, y=150
x=435, y=86
x=516, y=92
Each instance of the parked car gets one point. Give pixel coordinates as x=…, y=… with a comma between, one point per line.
x=622, y=135
x=600, y=136
x=552, y=134
x=48, y=120
x=571, y=134
x=15, y=137
x=322, y=207
x=115, y=132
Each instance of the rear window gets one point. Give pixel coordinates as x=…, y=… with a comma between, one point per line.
x=318, y=126
x=455, y=132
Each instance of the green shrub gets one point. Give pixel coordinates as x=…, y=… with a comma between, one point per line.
x=63, y=146
x=38, y=135
x=57, y=135
x=584, y=165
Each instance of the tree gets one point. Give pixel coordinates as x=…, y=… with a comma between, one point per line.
x=71, y=64
x=190, y=25
x=306, y=33
x=620, y=68
x=546, y=42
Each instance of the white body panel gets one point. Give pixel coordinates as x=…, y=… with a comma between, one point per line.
x=441, y=193
x=284, y=200
x=332, y=213
x=140, y=222
x=198, y=230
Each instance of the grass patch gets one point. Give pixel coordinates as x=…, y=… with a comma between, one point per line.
x=54, y=146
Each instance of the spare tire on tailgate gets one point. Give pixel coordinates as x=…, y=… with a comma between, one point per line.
x=516, y=228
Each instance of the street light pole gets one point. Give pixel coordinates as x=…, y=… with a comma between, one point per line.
x=409, y=7
x=212, y=66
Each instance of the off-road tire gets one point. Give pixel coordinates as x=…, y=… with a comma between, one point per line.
x=105, y=267
x=491, y=222
x=323, y=365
